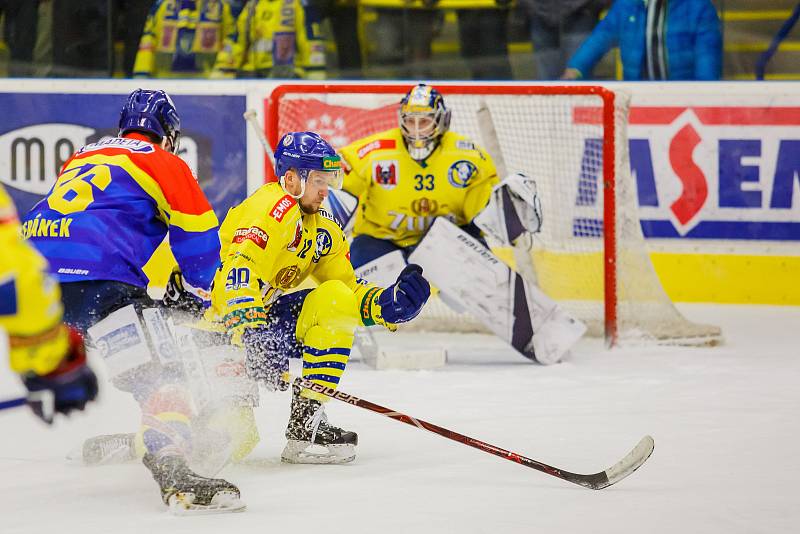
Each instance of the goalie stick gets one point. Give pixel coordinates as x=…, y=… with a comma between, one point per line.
x=252, y=119
x=630, y=463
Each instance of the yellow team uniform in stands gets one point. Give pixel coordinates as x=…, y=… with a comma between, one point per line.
x=181, y=38
x=273, y=38
x=269, y=246
x=30, y=301
x=399, y=197
x=441, y=4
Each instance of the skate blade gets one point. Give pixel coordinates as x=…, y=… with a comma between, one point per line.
x=223, y=502
x=302, y=452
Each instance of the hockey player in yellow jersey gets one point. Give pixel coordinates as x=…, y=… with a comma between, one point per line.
x=49, y=356
x=181, y=38
x=407, y=176
x=274, y=39
x=272, y=242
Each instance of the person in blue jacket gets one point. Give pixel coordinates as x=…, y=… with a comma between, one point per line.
x=658, y=40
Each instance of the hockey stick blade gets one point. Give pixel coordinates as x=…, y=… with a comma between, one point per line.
x=630, y=463
x=603, y=479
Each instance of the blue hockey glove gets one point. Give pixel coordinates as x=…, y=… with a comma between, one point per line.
x=403, y=300
x=179, y=295
x=67, y=388
x=266, y=358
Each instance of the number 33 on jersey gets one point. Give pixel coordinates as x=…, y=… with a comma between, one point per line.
x=400, y=197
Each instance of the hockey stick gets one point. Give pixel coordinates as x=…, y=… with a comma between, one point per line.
x=252, y=119
x=12, y=403
x=630, y=463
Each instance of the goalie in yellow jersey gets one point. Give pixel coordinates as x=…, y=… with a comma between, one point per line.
x=407, y=176
x=273, y=241
x=49, y=356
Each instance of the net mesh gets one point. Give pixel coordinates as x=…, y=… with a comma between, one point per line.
x=558, y=140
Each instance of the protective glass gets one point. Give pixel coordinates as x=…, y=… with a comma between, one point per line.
x=319, y=179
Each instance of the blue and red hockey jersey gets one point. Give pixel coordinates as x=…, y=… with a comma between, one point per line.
x=113, y=203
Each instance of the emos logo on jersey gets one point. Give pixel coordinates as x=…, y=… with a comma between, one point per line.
x=723, y=172
x=385, y=173
x=461, y=172
x=377, y=144
x=281, y=207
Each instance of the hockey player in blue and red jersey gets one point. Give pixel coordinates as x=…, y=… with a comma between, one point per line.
x=112, y=205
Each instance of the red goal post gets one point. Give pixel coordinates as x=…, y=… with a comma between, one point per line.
x=573, y=121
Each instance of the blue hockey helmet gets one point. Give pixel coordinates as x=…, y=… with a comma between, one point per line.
x=151, y=112
x=423, y=120
x=306, y=152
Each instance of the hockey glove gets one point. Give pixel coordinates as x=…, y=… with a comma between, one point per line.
x=403, y=300
x=265, y=359
x=181, y=296
x=67, y=388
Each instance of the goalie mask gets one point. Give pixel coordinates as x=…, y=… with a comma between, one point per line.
x=311, y=157
x=423, y=120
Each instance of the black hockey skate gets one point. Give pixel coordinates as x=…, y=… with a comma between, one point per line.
x=186, y=492
x=309, y=432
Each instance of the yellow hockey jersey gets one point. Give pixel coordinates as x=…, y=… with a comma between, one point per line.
x=399, y=197
x=30, y=301
x=269, y=247
x=273, y=38
x=181, y=38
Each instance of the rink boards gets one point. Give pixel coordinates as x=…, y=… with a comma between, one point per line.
x=717, y=167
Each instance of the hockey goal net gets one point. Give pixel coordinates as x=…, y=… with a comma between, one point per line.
x=591, y=254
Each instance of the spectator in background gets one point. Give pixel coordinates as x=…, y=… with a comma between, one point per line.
x=658, y=40
x=483, y=37
x=273, y=39
x=181, y=38
x=19, y=32
x=130, y=17
x=81, y=36
x=558, y=27
x=402, y=35
x=343, y=15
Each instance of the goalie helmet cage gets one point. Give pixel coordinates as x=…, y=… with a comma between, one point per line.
x=591, y=255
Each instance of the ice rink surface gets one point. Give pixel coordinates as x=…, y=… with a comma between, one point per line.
x=725, y=420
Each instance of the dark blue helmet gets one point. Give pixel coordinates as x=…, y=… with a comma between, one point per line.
x=305, y=151
x=151, y=112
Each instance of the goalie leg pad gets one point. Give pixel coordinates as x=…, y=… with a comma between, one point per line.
x=515, y=310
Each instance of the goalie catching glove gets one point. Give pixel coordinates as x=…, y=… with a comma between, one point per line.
x=403, y=300
x=514, y=209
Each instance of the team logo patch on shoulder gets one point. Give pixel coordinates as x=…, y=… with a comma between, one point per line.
x=461, y=172
x=385, y=172
x=378, y=144
x=324, y=244
x=461, y=144
x=281, y=207
x=254, y=234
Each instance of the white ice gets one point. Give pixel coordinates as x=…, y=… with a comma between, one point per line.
x=725, y=422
